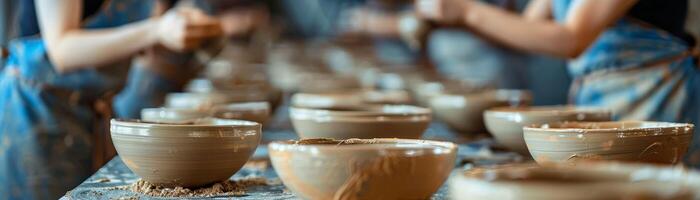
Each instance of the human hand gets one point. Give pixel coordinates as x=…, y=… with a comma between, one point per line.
x=442, y=11
x=241, y=21
x=186, y=29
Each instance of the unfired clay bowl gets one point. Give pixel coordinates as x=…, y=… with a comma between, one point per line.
x=188, y=155
x=351, y=98
x=250, y=111
x=584, y=181
x=208, y=100
x=388, y=121
x=464, y=112
x=363, y=168
x=506, y=123
x=635, y=141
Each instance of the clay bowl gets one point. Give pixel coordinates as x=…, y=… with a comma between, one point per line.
x=188, y=155
x=351, y=98
x=202, y=100
x=464, y=112
x=250, y=111
x=635, y=141
x=584, y=181
x=363, y=168
x=423, y=92
x=390, y=121
x=326, y=100
x=506, y=123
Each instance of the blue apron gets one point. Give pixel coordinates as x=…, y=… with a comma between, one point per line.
x=640, y=72
x=48, y=119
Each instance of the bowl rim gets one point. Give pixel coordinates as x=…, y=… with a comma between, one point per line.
x=228, y=123
x=291, y=144
x=547, y=110
x=412, y=111
x=659, y=125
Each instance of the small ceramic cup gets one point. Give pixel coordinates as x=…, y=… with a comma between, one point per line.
x=363, y=168
x=635, y=141
x=387, y=121
x=585, y=181
x=189, y=155
x=464, y=112
x=506, y=123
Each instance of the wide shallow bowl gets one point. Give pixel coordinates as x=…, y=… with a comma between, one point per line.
x=464, y=112
x=208, y=100
x=249, y=111
x=387, y=121
x=189, y=155
x=506, y=123
x=586, y=180
x=363, y=168
x=636, y=141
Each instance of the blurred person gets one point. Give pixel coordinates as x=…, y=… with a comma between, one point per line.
x=632, y=56
x=159, y=71
x=58, y=80
x=460, y=55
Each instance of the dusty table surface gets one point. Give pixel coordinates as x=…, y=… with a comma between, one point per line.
x=474, y=149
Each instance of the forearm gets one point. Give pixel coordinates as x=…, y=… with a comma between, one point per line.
x=541, y=36
x=81, y=48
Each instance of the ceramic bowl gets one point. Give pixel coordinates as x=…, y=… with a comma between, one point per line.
x=506, y=123
x=363, y=168
x=464, y=112
x=390, y=121
x=424, y=91
x=188, y=155
x=200, y=100
x=635, y=141
x=347, y=99
x=250, y=111
x=584, y=181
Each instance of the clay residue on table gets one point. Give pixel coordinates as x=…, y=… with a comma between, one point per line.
x=336, y=142
x=224, y=188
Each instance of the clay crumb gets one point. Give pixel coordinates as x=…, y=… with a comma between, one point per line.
x=102, y=180
x=224, y=188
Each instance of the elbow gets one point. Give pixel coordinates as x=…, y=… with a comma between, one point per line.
x=574, y=52
x=60, y=65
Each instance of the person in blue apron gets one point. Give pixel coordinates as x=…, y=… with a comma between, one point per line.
x=632, y=56
x=56, y=85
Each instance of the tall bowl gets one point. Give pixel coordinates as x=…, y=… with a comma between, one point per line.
x=188, y=155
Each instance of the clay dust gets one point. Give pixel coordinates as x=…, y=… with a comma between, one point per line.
x=223, y=188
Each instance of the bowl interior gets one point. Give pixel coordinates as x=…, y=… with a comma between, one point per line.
x=548, y=175
x=622, y=125
x=377, y=143
x=197, y=123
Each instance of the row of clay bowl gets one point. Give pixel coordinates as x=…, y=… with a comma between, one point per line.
x=569, y=133
x=209, y=150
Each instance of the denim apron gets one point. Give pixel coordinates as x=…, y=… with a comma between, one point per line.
x=640, y=72
x=47, y=125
